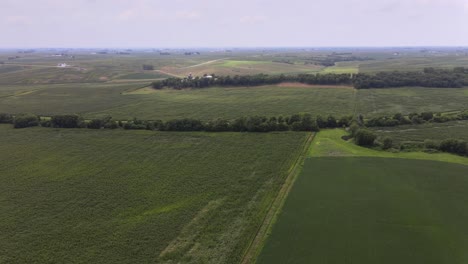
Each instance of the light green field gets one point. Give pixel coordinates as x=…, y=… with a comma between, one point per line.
x=328, y=143
x=243, y=67
x=116, y=196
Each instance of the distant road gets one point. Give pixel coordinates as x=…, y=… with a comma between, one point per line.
x=204, y=63
x=167, y=73
x=39, y=65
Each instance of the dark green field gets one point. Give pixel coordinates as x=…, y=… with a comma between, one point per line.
x=104, y=196
x=373, y=210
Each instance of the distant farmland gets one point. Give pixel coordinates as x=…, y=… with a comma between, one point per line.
x=373, y=210
x=115, y=196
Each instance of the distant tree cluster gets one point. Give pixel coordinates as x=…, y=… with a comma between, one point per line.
x=147, y=67
x=252, y=80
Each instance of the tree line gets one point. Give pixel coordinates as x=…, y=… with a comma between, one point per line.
x=357, y=127
x=296, y=122
x=430, y=77
x=413, y=118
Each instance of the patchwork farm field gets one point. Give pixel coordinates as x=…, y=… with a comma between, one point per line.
x=373, y=210
x=116, y=196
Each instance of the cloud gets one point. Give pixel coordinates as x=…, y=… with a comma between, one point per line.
x=189, y=15
x=17, y=20
x=127, y=14
x=256, y=19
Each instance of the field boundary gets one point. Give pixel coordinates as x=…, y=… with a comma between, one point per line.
x=253, y=250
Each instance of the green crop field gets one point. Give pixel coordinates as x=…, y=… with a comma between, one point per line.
x=124, y=100
x=373, y=210
x=211, y=103
x=378, y=102
x=116, y=196
x=416, y=63
x=121, y=101
x=419, y=133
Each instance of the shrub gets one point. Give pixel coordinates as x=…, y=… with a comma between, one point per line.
x=67, y=121
x=426, y=116
x=431, y=144
x=45, y=123
x=454, y=146
x=96, y=124
x=25, y=120
x=6, y=118
x=364, y=137
x=387, y=143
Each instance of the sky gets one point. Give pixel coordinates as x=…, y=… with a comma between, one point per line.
x=237, y=23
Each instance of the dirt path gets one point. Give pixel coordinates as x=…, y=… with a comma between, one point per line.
x=168, y=73
x=204, y=63
x=256, y=245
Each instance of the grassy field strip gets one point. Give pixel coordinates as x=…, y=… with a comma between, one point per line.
x=260, y=237
x=328, y=143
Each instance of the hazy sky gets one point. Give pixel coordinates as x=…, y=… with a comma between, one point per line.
x=216, y=23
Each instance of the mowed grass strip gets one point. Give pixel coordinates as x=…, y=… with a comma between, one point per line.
x=86, y=196
x=373, y=210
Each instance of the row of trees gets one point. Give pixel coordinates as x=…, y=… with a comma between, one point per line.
x=457, y=77
x=413, y=118
x=297, y=122
x=254, y=123
x=430, y=77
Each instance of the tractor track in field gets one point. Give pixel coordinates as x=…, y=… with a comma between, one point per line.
x=256, y=244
